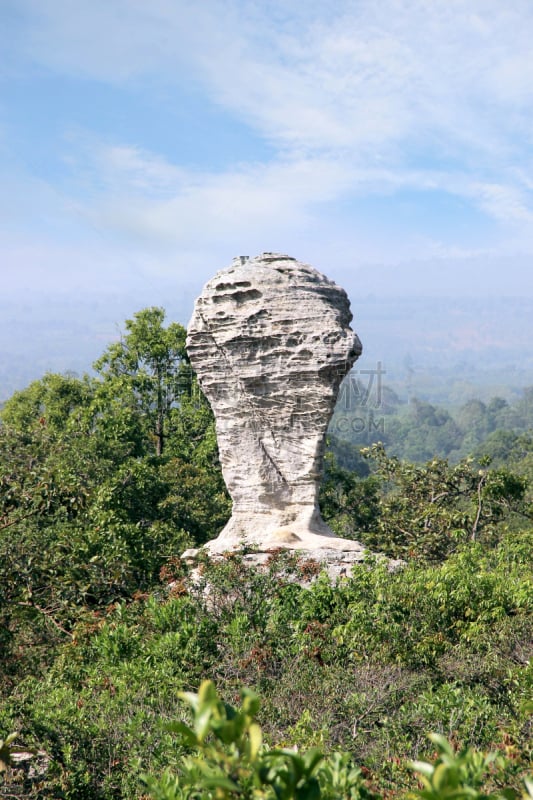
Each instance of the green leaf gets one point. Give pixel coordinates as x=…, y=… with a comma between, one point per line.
x=442, y=744
x=423, y=767
x=311, y=759
x=256, y=738
x=207, y=692
x=443, y=776
x=191, y=698
x=202, y=721
x=183, y=730
x=220, y=781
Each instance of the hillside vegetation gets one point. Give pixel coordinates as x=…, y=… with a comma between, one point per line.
x=105, y=480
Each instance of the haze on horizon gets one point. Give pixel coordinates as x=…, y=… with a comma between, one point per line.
x=143, y=146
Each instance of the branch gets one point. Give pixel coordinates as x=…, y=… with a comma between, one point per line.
x=479, y=507
x=436, y=497
x=20, y=519
x=48, y=616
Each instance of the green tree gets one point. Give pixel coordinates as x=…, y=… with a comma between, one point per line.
x=101, y=481
x=424, y=431
x=427, y=511
x=45, y=456
x=48, y=468
x=348, y=502
x=148, y=370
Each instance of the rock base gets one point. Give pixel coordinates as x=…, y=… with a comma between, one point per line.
x=335, y=561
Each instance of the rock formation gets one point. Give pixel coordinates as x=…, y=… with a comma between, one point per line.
x=270, y=341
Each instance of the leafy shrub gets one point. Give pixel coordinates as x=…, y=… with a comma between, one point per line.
x=226, y=758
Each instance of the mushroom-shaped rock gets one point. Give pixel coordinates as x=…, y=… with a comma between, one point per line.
x=270, y=341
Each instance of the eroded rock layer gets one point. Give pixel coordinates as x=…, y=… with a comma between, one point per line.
x=270, y=340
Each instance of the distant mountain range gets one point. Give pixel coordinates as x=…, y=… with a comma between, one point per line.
x=434, y=347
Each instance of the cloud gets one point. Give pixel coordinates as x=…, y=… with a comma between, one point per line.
x=358, y=99
x=138, y=194
x=144, y=196
x=505, y=203
x=360, y=75
x=111, y=41
x=385, y=84
x=119, y=168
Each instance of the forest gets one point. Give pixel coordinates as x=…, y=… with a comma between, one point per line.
x=121, y=677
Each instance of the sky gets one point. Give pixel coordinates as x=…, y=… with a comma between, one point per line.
x=144, y=144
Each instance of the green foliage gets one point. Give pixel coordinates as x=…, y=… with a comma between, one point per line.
x=461, y=776
x=93, y=500
x=419, y=431
x=444, y=648
x=427, y=511
x=46, y=465
x=104, y=480
x=148, y=371
x=228, y=759
x=348, y=502
x=463, y=602
x=425, y=431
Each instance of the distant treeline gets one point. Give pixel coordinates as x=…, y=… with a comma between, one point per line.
x=369, y=412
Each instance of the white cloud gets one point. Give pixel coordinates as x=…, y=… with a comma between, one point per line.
x=359, y=98
x=372, y=80
x=351, y=75
x=505, y=203
x=254, y=200
x=112, y=41
x=101, y=167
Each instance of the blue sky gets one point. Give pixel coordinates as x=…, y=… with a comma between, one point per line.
x=389, y=144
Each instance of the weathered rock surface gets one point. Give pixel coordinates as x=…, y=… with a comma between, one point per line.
x=335, y=563
x=270, y=340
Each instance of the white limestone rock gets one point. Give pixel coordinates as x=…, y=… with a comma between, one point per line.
x=270, y=341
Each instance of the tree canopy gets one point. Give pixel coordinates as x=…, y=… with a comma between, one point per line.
x=105, y=479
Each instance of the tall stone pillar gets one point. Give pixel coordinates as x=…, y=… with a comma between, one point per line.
x=270, y=341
